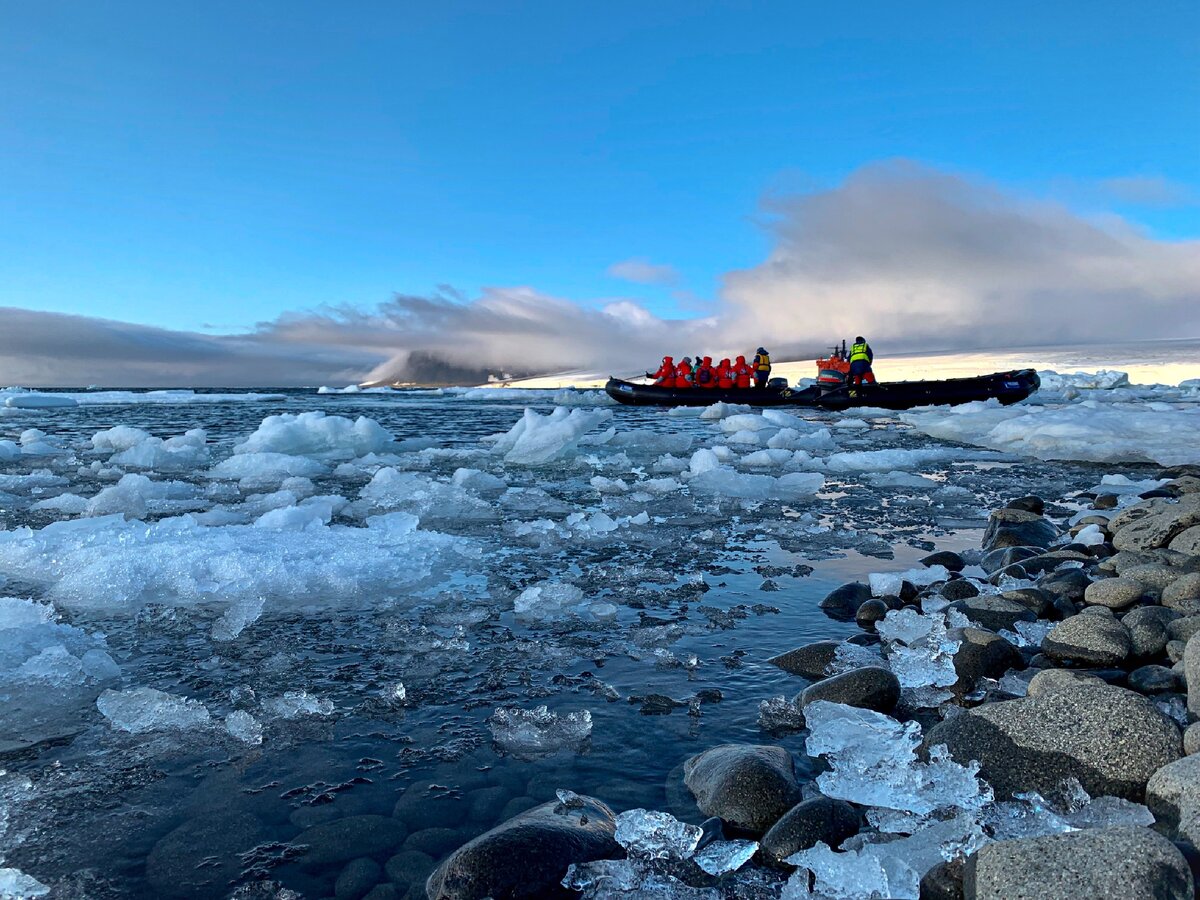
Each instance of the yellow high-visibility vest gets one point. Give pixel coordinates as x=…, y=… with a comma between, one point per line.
x=763, y=362
x=858, y=353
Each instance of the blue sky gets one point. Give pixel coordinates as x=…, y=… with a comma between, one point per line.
x=216, y=164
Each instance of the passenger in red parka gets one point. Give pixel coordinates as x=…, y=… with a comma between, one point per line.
x=742, y=371
x=683, y=373
x=725, y=375
x=665, y=376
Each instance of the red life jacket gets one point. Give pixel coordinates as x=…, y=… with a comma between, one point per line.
x=683, y=375
x=705, y=376
x=666, y=373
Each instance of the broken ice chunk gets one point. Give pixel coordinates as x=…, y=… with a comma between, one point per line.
x=538, y=731
x=146, y=709
x=16, y=885
x=294, y=704
x=873, y=762
x=720, y=857
x=243, y=726
x=243, y=611
x=650, y=834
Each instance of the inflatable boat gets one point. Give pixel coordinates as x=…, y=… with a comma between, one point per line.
x=1007, y=387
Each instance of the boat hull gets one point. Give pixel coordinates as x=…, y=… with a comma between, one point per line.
x=1006, y=387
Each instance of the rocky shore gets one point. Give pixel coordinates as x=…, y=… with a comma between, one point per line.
x=1013, y=722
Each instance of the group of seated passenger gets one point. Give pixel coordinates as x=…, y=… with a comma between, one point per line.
x=723, y=375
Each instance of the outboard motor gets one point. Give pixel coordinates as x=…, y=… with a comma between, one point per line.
x=777, y=383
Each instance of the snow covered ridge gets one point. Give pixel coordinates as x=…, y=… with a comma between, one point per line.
x=23, y=398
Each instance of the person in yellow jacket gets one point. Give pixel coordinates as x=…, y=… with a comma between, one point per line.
x=762, y=368
x=861, y=357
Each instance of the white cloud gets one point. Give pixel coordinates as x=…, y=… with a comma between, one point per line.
x=911, y=257
x=640, y=270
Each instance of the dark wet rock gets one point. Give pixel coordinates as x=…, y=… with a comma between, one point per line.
x=995, y=560
x=1173, y=795
x=1191, y=673
x=1110, y=738
x=409, y=867
x=959, y=589
x=869, y=613
x=527, y=856
x=1147, y=627
x=357, y=878
x=1187, y=541
x=1185, y=606
x=1048, y=562
x=843, y=602
x=871, y=687
x=1030, y=503
x=1105, y=501
x=1114, y=593
x=1031, y=598
x=1092, y=640
x=749, y=786
x=1062, y=608
x=1095, y=863
x=1175, y=650
x=1049, y=680
x=802, y=826
x=944, y=881
x=1160, y=529
x=1156, y=576
x=200, y=857
x=1191, y=738
x=349, y=838
x=1153, y=680
x=1018, y=528
x=994, y=613
x=809, y=661
x=1185, y=587
x=947, y=559
x=908, y=592
x=1183, y=628
x=1070, y=583
x=981, y=654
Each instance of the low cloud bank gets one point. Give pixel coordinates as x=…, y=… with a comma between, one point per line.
x=912, y=257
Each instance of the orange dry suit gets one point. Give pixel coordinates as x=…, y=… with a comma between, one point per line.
x=725, y=375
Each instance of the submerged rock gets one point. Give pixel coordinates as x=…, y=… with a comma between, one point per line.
x=1111, y=739
x=748, y=786
x=349, y=838
x=528, y=855
x=1096, y=863
x=200, y=857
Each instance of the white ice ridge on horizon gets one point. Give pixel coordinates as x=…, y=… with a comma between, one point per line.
x=23, y=398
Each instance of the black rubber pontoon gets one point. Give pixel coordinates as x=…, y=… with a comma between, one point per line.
x=1007, y=387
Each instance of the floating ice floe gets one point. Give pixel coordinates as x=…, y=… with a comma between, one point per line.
x=317, y=435
x=297, y=705
x=243, y=726
x=536, y=439
x=537, y=732
x=1087, y=431
x=117, y=565
x=145, y=709
x=16, y=885
x=22, y=398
